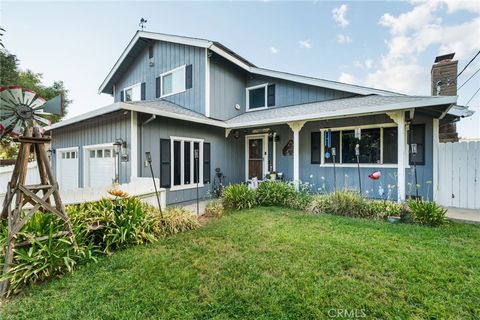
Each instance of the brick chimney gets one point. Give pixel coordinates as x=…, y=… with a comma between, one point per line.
x=444, y=83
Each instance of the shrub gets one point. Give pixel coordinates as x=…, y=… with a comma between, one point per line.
x=238, y=196
x=385, y=208
x=319, y=204
x=427, y=212
x=214, y=209
x=177, y=220
x=273, y=193
x=116, y=224
x=36, y=260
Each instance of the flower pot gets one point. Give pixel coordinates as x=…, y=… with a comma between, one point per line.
x=273, y=176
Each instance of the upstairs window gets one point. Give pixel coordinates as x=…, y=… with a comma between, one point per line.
x=173, y=81
x=260, y=97
x=133, y=93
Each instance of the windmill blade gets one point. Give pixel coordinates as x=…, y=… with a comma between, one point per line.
x=42, y=120
x=6, y=97
x=28, y=96
x=6, y=113
x=5, y=124
x=17, y=129
x=17, y=94
x=54, y=105
x=37, y=103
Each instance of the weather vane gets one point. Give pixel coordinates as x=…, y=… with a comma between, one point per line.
x=142, y=23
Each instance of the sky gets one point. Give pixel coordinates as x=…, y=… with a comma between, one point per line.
x=386, y=45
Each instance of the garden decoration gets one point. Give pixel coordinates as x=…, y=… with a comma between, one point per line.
x=357, y=154
x=148, y=157
x=375, y=175
x=22, y=115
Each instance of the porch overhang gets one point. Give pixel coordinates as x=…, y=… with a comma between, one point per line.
x=343, y=108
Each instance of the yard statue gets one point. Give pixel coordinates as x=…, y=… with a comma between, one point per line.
x=23, y=115
x=375, y=175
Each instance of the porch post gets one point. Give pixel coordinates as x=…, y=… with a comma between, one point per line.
x=436, y=141
x=296, y=126
x=399, y=119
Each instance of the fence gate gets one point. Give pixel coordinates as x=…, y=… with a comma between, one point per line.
x=459, y=174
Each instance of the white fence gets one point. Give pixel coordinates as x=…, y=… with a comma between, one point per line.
x=459, y=174
x=6, y=173
x=140, y=187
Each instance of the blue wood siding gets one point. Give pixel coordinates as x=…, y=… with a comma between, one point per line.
x=226, y=154
x=227, y=88
x=289, y=93
x=168, y=56
x=99, y=130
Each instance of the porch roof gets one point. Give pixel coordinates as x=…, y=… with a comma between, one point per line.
x=338, y=108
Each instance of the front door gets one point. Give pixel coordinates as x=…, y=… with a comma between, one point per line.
x=256, y=151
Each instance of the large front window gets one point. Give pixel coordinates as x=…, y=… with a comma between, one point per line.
x=187, y=155
x=376, y=146
x=173, y=81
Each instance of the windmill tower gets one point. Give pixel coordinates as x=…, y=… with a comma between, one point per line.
x=22, y=115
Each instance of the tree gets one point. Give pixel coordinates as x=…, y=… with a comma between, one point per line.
x=10, y=74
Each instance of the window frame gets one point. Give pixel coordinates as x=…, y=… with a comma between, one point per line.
x=192, y=184
x=247, y=97
x=124, y=92
x=365, y=165
x=162, y=75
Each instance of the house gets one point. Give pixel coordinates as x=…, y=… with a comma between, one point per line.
x=177, y=97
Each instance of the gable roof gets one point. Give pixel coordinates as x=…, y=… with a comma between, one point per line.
x=142, y=38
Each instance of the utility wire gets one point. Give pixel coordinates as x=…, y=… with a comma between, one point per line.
x=468, y=63
x=472, y=96
x=468, y=79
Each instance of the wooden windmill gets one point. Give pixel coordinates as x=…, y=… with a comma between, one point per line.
x=22, y=115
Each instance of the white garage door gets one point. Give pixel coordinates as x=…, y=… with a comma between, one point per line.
x=67, y=169
x=100, y=167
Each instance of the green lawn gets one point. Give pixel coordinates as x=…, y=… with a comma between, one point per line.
x=274, y=263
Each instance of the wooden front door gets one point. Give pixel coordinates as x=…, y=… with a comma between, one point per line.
x=255, y=158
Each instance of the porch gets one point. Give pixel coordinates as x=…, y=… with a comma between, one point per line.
x=299, y=151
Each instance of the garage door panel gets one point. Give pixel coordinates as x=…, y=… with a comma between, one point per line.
x=68, y=170
x=101, y=167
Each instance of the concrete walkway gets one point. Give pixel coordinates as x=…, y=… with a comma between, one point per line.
x=464, y=215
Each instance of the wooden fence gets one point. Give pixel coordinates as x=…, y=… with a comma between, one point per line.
x=459, y=174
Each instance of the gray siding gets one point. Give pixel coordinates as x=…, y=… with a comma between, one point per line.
x=99, y=130
x=168, y=56
x=227, y=88
x=289, y=93
x=227, y=154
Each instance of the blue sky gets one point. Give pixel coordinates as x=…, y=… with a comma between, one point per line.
x=388, y=45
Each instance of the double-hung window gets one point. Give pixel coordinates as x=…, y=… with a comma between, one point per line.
x=186, y=171
x=376, y=145
x=173, y=81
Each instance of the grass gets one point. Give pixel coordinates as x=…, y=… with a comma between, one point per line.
x=273, y=263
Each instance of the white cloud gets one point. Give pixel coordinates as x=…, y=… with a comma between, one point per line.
x=305, y=44
x=366, y=65
x=347, y=78
x=343, y=38
x=412, y=33
x=338, y=15
x=273, y=50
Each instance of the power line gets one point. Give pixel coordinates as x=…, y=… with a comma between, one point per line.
x=472, y=96
x=468, y=63
x=468, y=79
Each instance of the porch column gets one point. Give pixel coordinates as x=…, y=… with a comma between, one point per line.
x=399, y=119
x=436, y=141
x=296, y=126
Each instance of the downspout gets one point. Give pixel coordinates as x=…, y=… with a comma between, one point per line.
x=153, y=117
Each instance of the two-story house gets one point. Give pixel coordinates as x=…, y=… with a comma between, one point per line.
x=177, y=97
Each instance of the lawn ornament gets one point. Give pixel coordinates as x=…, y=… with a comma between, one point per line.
x=375, y=175
x=23, y=115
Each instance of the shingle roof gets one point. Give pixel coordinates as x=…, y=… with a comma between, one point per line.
x=337, y=107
